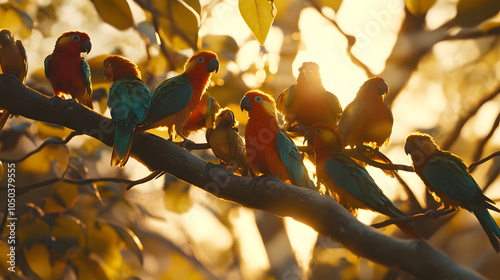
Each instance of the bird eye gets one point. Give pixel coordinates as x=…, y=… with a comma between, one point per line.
x=76, y=38
x=369, y=84
x=317, y=131
x=420, y=142
x=200, y=59
x=258, y=99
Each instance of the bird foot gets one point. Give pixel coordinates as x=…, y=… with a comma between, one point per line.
x=186, y=142
x=54, y=100
x=435, y=213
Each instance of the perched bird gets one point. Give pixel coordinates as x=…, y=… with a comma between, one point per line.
x=174, y=99
x=129, y=100
x=227, y=144
x=67, y=70
x=367, y=119
x=269, y=150
x=448, y=180
x=348, y=181
x=203, y=115
x=307, y=101
x=13, y=60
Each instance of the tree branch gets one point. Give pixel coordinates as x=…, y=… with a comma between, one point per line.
x=429, y=214
x=320, y=212
x=473, y=165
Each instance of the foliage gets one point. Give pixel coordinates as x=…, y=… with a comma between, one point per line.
x=165, y=229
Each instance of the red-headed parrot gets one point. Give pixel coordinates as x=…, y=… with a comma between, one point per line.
x=129, y=100
x=447, y=178
x=227, y=144
x=307, y=101
x=367, y=119
x=348, y=181
x=174, y=99
x=13, y=60
x=67, y=70
x=270, y=151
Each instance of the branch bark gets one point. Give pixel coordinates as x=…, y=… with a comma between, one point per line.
x=318, y=211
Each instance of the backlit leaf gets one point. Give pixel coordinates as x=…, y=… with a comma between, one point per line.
x=46, y=130
x=69, y=231
x=419, y=7
x=130, y=240
x=87, y=268
x=53, y=157
x=62, y=197
x=16, y=20
x=177, y=197
x=115, y=12
x=259, y=16
x=103, y=241
x=473, y=12
x=332, y=4
x=38, y=259
x=179, y=24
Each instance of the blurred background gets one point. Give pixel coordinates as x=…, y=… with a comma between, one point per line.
x=439, y=57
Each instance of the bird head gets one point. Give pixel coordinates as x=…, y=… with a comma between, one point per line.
x=202, y=63
x=225, y=118
x=324, y=134
x=309, y=71
x=6, y=37
x=421, y=147
x=259, y=103
x=74, y=41
x=374, y=85
x=116, y=67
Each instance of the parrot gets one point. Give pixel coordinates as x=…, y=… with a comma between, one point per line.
x=227, y=144
x=129, y=100
x=174, y=99
x=347, y=181
x=448, y=180
x=67, y=70
x=367, y=119
x=307, y=101
x=203, y=115
x=13, y=60
x=269, y=150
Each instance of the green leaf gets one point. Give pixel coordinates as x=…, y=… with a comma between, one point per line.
x=472, y=12
x=419, y=7
x=259, y=16
x=115, y=12
x=179, y=24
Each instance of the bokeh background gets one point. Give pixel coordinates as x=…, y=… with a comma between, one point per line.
x=439, y=57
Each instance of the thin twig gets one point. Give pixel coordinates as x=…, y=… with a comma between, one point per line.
x=429, y=214
x=351, y=40
x=473, y=165
x=472, y=34
x=190, y=146
x=154, y=15
x=484, y=141
x=378, y=164
x=52, y=140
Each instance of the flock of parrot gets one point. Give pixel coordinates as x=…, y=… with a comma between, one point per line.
x=182, y=104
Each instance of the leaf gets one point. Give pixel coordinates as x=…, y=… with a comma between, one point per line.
x=115, y=12
x=53, y=157
x=332, y=4
x=179, y=24
x=69, y=231
x=32, y=227
x=472, y=12
x=87, y=268
x=103, y=241
x=419, y=7
x=259, y=16
x=177, y=197
x=46, y=130
x=195, y=4
x=62, y=197
x=38, y=259
x=130, y=240
x=16, y=20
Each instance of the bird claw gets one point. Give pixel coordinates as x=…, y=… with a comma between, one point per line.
x=434, y=213
x=54, y=100
x=186, y=142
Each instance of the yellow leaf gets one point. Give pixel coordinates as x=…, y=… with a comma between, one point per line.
x=419, y=7
x=115, y=12
x=472, y=12
x=5, y=251
x=62, y=197
x=69, y=231
x=47, y=130
x=31, y=227
x=16, y=20
x=130, y=240
x=180, y=268
x=51, y=157
x=87, y=268
x=179, y=24
x=103, y=241
x=259, y=16
x=332, y=4
x=195, y=4
x=177, y=197
x=38, y=259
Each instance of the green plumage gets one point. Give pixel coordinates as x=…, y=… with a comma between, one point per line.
x=129, y=100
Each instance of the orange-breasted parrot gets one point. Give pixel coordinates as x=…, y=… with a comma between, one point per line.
x=227, y=144
x=367, y=119
x=129, y=100
x=270, y=151
x=175, y=98
x=203, y=115
x=447, y=178
x=307, y=101
x=67, y=70
x=347, y=181
x=13, y=60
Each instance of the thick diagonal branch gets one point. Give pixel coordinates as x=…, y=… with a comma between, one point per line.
x=318, y=211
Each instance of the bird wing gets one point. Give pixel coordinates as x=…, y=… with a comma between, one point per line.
x=334, y=103
x=290, y=156
x=169, y=97
x=349, y=118
x=46, y=63
x=129, y=100
x=20, y=45
x=285, y=99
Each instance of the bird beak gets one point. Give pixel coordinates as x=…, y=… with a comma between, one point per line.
x=308, y=74
x=409, y=147
x=6, y=38
x=230, y=117
x=213, y=65
x=308, y=137
x=383, y=88
x=246, y=104
x=85, y=47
